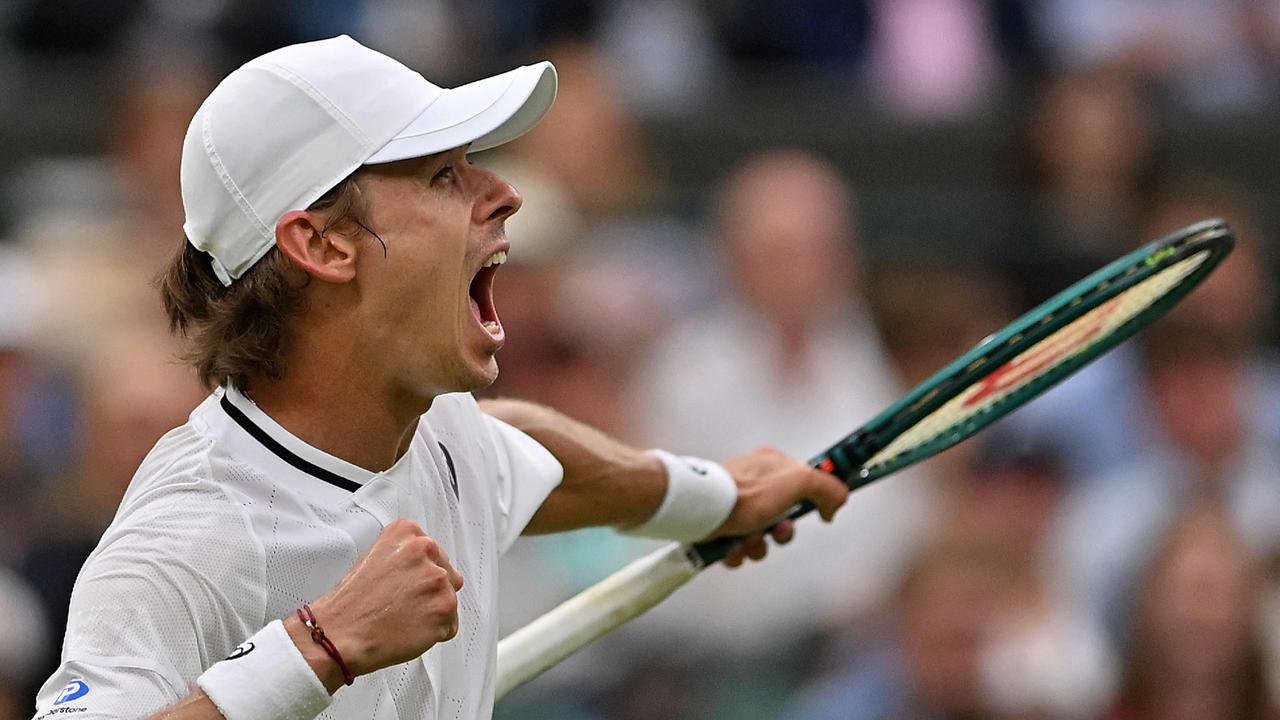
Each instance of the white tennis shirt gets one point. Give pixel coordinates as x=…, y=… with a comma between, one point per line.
x=232, y=522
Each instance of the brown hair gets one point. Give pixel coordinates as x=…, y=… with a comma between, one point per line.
x=1141, y=682
x=231, y=333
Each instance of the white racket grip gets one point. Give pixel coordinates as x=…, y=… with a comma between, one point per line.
x=570, y=626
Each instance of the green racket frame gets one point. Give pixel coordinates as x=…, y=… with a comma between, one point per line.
x=847, y=458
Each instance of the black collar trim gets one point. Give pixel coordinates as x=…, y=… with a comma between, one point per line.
x=283, y=452
x=453, y=472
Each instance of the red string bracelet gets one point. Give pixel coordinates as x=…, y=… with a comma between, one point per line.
x=308, y=618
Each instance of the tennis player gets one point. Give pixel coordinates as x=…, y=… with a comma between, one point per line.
x=321, y=538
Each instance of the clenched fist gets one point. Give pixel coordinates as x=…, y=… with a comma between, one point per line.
x=396, y=603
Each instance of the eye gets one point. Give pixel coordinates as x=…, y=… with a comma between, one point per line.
x=444, y=175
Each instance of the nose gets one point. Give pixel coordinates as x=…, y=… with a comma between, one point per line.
x=501, y=199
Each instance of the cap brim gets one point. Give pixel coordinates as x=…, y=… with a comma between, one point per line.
x=485, y=113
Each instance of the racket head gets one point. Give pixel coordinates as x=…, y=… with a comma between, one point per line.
x=1031, y=354
x=1021, y=361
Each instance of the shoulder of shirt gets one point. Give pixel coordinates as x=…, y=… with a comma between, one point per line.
x=174, y=490
x=459, y=402
x=455, y=410
x=456, y=423
x=180, y=458
x=176, y=529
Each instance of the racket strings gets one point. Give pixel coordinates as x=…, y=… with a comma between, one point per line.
x=989, y=388
x=977, y=367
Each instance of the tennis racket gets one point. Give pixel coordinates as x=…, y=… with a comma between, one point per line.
x=1001, y=373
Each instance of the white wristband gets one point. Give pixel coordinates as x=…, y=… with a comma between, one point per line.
x=700, y=496
x=266, y=678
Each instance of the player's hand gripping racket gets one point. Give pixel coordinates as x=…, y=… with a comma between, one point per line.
x=1001, y=373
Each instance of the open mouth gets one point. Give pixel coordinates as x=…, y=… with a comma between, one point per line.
x=481, y=292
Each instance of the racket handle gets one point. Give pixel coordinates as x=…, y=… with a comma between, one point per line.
x=804, y=508
x=713, y=551
x=531, y=650
x=835, y=461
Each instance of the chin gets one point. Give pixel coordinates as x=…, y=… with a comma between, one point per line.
x=478, y=377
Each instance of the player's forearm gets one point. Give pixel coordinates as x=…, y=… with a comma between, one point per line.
x=606, y=482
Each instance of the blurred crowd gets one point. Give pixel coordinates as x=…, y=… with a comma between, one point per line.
x=748, y=223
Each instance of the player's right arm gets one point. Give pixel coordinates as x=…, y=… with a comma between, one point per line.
x=396, y=603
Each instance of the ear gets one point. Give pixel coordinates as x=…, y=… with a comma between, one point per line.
x=330, y=257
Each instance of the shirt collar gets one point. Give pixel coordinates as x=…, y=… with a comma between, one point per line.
x=288, y=447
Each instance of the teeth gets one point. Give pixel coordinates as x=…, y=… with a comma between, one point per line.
x=496, y=259
x=493, y=327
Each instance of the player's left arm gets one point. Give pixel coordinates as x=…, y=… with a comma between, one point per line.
x=607, y=482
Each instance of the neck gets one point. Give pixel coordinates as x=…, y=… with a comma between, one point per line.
x=333, y=398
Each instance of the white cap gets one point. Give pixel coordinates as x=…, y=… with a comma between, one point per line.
x=286, y=127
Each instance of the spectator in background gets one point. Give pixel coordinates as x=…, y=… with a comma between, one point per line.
x=543, y=244
x=32, y=437
x=591, y=144
x=926, y=60
x=153, y=104
x=581, y=315
x=1009, y=495
x=24, y=643
x=1002, y=645
x=945, y=59
x=125, y=201
x=1205, y=421
x=1043, y=657
x=1214, y=57
x=132, y=390
x=666, y=51
x=1089, y=158
x=788, y=357
x=120, y=389
x=813, y=34
x=1208, y=445
x=789, y=339
x=1196, y=651
x=1089, y=161
x=93, y=286
x=600, y=268
x=928, y=664
x=1239, y=298
x=1090, y=153
x=929, y=315
x=29, y=409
